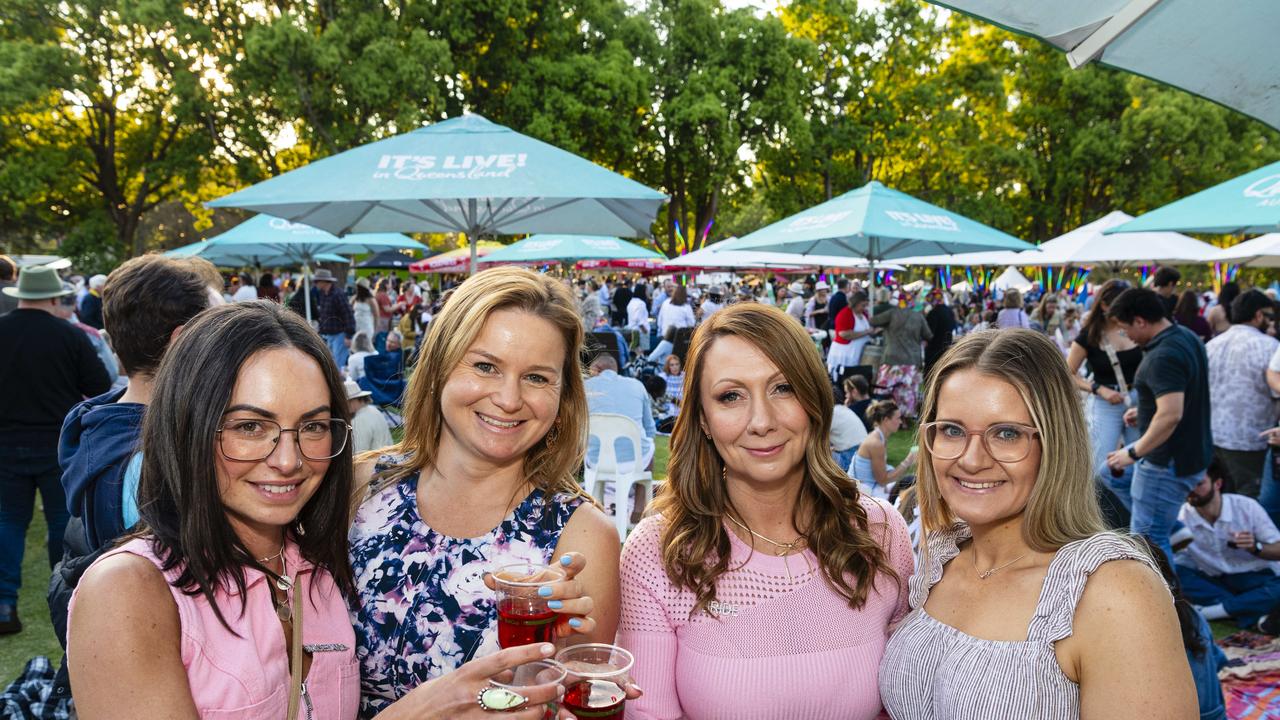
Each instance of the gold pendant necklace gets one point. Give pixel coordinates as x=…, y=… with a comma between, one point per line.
x=784, y=548
x=984, y=574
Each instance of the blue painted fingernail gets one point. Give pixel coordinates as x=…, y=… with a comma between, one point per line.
x=545, y=591
x=575, y=623
x=555, y=604
x=566, y=560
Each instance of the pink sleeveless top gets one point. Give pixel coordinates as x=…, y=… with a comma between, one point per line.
x=247, y=677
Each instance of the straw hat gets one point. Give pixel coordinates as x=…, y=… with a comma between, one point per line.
x=37, y=283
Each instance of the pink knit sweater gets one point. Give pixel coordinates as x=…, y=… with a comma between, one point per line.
x=772, y=647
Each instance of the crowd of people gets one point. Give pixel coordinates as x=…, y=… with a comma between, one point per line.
x=229, y=537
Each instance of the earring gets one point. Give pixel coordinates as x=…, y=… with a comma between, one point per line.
x=552, y=434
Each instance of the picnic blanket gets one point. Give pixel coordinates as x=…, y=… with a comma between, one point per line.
x=1251, y=678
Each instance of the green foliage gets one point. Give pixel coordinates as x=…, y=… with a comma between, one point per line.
x=112, y=110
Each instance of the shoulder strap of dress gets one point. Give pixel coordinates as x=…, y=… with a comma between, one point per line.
x=1068, y=573
x=941, y=548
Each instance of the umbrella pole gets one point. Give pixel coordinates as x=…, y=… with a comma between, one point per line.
x=306, y=290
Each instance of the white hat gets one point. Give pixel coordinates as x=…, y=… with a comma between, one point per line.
x=797, y=287
x=822, y=285
x=354, y=390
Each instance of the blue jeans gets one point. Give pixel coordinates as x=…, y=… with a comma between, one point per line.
x=1158, y=494
x=338, y=347
x=23, y=470
x=1247, y=596
x=1106, y=431
x=1269, y=496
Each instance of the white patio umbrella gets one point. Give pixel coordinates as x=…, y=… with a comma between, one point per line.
x=714, y=256
x=1263, y=251
x=1088, y=245
x=1223, y=51
x=993, y=258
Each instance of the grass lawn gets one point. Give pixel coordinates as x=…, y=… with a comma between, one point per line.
x=37, y=636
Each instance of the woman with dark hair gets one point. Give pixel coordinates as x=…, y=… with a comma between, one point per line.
x=1187, y=314
x=267, y=289
x=870, y=466
x=241, y=551
x=618, y=304
x=674, y=314
x=1113, y=361
x=1204, y=655
x=1219, y=316
x=364, y=308
x=765, y=584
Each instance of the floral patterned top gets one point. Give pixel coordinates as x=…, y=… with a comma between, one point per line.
x=421, y=607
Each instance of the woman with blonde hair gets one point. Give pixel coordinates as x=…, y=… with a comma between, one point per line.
x=495, y=417
x=1025, y=605
x=1011, y=313
x=765, y=583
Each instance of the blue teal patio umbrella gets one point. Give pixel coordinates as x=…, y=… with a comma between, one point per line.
x=1223, y=51
x=876, y=223
x=288, y=243
x=1249, y=204
x=465, y=175
x=232, y=260
x=569, y=248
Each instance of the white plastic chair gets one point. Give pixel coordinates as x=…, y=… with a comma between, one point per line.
x=608, y=428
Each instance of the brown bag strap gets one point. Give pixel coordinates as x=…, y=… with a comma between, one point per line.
x=295, y=665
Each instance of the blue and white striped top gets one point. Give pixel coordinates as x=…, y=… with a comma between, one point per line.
x=932, y=670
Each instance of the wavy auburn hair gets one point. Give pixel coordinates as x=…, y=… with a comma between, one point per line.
x=1063, y=506
x=695, y=543
x=553, y=459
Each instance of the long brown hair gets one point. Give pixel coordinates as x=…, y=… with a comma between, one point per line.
x=1096, y=323
x=179, y=503
x=551, y=462
x=1062, y=507
x=695, y=544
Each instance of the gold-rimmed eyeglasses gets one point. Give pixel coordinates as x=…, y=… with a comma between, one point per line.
x=1004, y=442
x=252, y=439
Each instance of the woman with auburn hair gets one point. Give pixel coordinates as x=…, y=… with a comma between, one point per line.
x=495, y=418
x=765, y=583
x=1025, y=606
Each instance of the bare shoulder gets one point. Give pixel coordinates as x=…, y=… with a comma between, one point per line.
x=1121, y=591
x=590, y=526
x=126, y=581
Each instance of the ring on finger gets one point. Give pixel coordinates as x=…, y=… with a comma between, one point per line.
x=496, y=699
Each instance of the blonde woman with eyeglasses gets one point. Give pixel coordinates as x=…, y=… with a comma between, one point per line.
x=1024, y=606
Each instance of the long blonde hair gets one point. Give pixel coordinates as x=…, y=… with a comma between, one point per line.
x=695, y=545
x=1062, y=507
x=551, y=462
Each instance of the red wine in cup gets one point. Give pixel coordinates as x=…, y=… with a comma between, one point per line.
x=520, y=624
x=596, y=700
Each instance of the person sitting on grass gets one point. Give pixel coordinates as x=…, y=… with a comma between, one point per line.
x=870, y=465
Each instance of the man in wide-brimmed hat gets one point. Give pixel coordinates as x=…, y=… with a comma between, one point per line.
x=47, y=365
x=330, y=313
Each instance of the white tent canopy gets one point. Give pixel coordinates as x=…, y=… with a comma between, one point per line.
x=1087, y=245
x=711, y=257
x=1262, y=251
x=1011, y=279
x=992, y=258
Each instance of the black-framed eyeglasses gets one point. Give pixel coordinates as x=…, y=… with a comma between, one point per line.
x=252, y=440
x=1004, y=442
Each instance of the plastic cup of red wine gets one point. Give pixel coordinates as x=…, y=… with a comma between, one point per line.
x=530, y=675
x=595, y=688
x=523, y=616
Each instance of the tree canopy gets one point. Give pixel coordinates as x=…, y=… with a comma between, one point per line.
x=117, y=114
